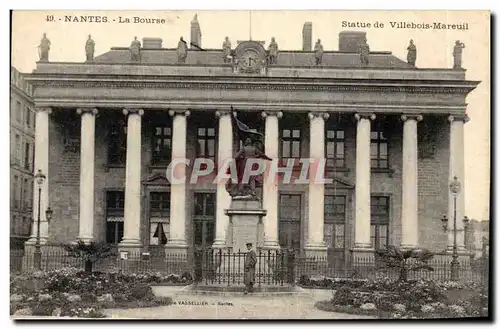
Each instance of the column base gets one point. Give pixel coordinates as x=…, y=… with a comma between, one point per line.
x=131, y=247
x=408, y=246
x=32, y=241
x=219, y=244
x=317, y=250
x=85, y=239
x=176, y=247
x=271, y=245
x=363, y=253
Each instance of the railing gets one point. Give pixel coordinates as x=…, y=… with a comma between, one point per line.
x=227, y=268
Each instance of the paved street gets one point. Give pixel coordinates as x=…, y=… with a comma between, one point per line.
x=236, y=307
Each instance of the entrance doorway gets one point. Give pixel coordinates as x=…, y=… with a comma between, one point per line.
x=204, y=220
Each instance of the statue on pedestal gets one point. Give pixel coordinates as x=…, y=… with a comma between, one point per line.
x=135, y=50
x=457, y=54
x=182, y=51
x=250, y=150
x=43, y=49
x=411, y=58
x=318, y=52
x=89, y=49
x=273, y=52
x=226, y=50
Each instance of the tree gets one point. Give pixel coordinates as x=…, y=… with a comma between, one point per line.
x=404, y=260
x=89, y=252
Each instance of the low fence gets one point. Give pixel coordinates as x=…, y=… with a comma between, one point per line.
x=227, y=268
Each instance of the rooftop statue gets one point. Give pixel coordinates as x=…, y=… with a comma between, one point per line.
x=273, y=52
x=182, y=51
x=318, y=52
x=364, y=52
x=226, y=50
x=43, y=48
x=250, y=150
x=411, y=58
x=457, y=54
x=135, y=50
x=89, y=49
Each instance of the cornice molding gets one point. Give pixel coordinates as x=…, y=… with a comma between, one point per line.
x=264, y=85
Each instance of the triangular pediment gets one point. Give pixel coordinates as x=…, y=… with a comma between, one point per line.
x=156, y=179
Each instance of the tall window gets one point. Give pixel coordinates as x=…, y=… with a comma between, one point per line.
x=162, y=144
x=335, y=148
x=205, y=147
x=17, y=188
x=204, y=220
x=379, y=150
x=27, y=116
x=379, y=221
x=334, y=228
x=25, y=194
x=290, y=144
x=289, y=221
x=115, y=206
x=18, y=110
x=159, y=205
x=27, y=158
x=18, y=149
x=117, y=147
x=13, y=190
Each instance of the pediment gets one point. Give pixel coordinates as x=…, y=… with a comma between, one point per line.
x=340, y=183
x=156, y=179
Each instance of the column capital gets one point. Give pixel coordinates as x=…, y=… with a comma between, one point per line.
x=461, y=117
x=417, y=117
x=370, y=116
x=133, y=111
x=278, y=114
x=173, y=113
x=92, y=111
x=322, y=115
x=47, y=110
x=220, y=113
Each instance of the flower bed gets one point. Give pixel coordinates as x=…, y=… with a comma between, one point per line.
x=415, y=299
x=72, y=292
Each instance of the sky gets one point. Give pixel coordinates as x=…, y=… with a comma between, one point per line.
x=434, y=48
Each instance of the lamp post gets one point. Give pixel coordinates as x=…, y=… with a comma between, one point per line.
x=40, y=177
x=455, y=188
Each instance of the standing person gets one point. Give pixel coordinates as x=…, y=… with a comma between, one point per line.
x=250, y=261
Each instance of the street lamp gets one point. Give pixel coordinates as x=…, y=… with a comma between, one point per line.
x=40, y=178
x=455, y=188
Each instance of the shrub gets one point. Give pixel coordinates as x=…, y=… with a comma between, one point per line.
x=141, y=291
x=405, y=261
x=343, y=296
x=304, y=280
x=89, y=252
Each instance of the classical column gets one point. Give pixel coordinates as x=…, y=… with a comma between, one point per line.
x=362, y=206
x=270, y=198
x=41, y=163
x=409, y=214
x=132, y=213
x=177, y=241
x=225, y=153
x=316, y=206
x=457, y=169
x=87, y=159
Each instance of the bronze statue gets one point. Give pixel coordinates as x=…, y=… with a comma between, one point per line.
x=43, y=49
x=364, y=51
x=89, y=49
x=318, y=52
x=250, y=150
x=226, y=50
x=182, y=51
x=457, y=54
x=273, y=52
x=411, y=58
x=135, y=50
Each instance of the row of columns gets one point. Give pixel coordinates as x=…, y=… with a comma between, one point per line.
x=315, y=243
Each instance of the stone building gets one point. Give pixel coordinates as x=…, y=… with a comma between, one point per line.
x=22, y=144
x=392, y=136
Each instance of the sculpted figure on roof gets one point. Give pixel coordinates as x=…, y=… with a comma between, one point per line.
x=411, y=58
x=364, y=51
x=182, y=51
x=273, y=52
x=43, y=48
x=457, y=54
x=318, y=52
x=89, y=49
x=135, y=50
x=226, y=50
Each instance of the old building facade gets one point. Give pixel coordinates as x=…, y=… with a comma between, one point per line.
x=391, y=134
x=22, y=144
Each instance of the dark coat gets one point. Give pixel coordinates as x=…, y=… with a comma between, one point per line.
x=250, y=261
